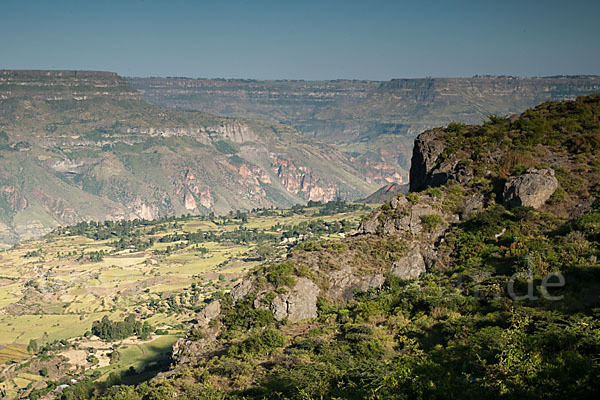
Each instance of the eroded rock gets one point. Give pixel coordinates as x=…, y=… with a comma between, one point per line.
x=210, y=312
x=299, y=303
x=240, y=290
x=410, y=266
x=532, y=189
x=426, y=151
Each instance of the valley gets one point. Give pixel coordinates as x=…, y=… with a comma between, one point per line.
x=79, y=146
x=163, y=272
x=374, y=123
x=315, y=200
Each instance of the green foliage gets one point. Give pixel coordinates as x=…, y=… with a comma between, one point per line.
x=114, y=330
x=259, y=342
x=225, y=147
x=456, y=127
x=435, y=192
x=196, y=333
x=431, y=222
x=282, y=274
x=413, y=198
x=240, y=317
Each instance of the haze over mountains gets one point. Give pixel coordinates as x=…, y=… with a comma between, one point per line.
x=373, y=122
x=80, y=145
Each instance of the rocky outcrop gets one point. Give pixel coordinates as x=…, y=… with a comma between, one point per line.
x=344, y=282
x=237, y=132
x=430, y=167
x=532, y=189
x=299, y=303
x=186, y=350
x=386, y=193
x=426, y=151
x=410, y=266
x=241, y=290
x=13, y=197
x=208, y=313
x=301, y=181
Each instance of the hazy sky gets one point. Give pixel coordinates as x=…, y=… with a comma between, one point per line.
x=303, y=39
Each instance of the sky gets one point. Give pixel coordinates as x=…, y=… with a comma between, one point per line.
x=303, y=39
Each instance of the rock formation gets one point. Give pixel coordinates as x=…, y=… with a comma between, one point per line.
x=531, y=189
x=299, y=304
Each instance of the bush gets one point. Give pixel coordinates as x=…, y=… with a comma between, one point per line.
x=431, y=222
x=281, y=274
x=258, y=343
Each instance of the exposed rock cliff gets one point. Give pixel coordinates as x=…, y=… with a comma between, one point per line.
x=348, y=114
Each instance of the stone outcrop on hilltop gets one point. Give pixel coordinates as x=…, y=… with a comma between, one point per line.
x=424, y=163
x=531, y=189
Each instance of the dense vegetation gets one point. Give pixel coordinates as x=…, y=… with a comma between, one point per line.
x=114, y=330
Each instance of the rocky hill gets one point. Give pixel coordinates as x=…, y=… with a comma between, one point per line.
x=80, y=145
x=373, y=122
x=483, y=281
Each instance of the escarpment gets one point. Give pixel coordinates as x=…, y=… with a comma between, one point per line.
x=82, y=145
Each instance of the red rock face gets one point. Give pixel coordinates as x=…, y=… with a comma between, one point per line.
x=57, y=207
x=382, y=168
x=300, y=181
x=192, y=192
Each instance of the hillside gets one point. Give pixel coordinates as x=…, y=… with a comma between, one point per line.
x=482, y=282
x=81, y=145
x=373, y=122
x=55, y=290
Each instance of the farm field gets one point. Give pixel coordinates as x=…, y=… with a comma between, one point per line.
x=162, y=272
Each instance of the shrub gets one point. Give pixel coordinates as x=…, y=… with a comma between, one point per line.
x=431, y=222
x=281, y=274
x=258, y=343
x=413, y=198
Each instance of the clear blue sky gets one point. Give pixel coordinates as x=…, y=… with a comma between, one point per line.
x=303, y=39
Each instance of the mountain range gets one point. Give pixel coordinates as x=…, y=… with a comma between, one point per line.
x=86, y=145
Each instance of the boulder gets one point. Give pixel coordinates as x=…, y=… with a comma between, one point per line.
x=240, y=290
x=532, y=189
x=344, y=282
x=299, y=303
x=208, y=313
x=370, y=225
x=472, y=205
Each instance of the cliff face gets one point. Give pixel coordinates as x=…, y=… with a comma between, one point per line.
x=78, y=145
x=374, y=123
x=64, y=85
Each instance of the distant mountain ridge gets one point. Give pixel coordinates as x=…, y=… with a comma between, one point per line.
x=83, y=145
x=373, y=122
